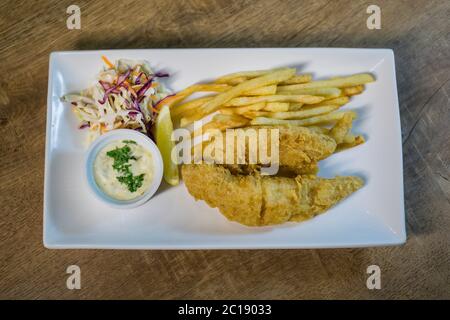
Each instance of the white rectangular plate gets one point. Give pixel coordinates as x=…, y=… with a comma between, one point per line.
x=373, y=216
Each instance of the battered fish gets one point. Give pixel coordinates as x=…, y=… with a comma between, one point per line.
x=299, y=149
x=256, y=200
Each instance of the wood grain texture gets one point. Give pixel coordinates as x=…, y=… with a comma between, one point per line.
x=419, y=33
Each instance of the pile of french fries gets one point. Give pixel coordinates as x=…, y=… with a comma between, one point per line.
x=273, y=98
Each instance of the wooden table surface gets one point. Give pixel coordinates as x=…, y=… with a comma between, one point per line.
x=418, y=31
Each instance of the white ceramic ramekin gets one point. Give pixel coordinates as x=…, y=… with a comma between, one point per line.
x=144, y=141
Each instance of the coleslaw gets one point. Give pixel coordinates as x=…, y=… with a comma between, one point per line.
x=127, y=95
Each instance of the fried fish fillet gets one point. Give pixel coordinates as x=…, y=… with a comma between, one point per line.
x=256, y=200
x=299, y=148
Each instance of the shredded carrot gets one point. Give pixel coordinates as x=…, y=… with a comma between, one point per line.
x=107, y=62
x=154, y=110
x=130, y=88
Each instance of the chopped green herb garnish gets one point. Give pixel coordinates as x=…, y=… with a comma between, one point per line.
x=133, y=182
x=121, y=158
x=129, y=141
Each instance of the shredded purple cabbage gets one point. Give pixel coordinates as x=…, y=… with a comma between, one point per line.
x=120, y=81
x=105, y=85
x=84, y=125
x=161, y=74
x=133, y=114
x=145, y=87
x=138, y=78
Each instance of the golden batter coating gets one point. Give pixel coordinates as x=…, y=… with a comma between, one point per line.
x=299, y=148
x=256, y=200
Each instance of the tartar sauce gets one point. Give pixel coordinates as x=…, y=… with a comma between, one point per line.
x=123, y=169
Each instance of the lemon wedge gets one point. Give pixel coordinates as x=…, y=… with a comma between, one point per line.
x=163, y=133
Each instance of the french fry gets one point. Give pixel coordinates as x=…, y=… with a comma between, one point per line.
x=242, y=101
x=222, y=116
x=207, y=87
x=265, y=80
x=227, y=111
x=302, y=114
x=178, y=110
x=298, y=78
x=340, y=101
x=351, y=91
x=341, y=128
x=276, y=107
x=297, y=106
x=322, y=119
x=183, y=94
x=236, y=81
x=254, y=114
x=241, y=110
x=213, y=87
x=344, y=146
x=243, y=75
x=341, y=82
x=188, y=119
x=221, y=122
x=262, y=91
x=230, y=118
x=188, y=107
x=326, y=92
x=294, y=80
